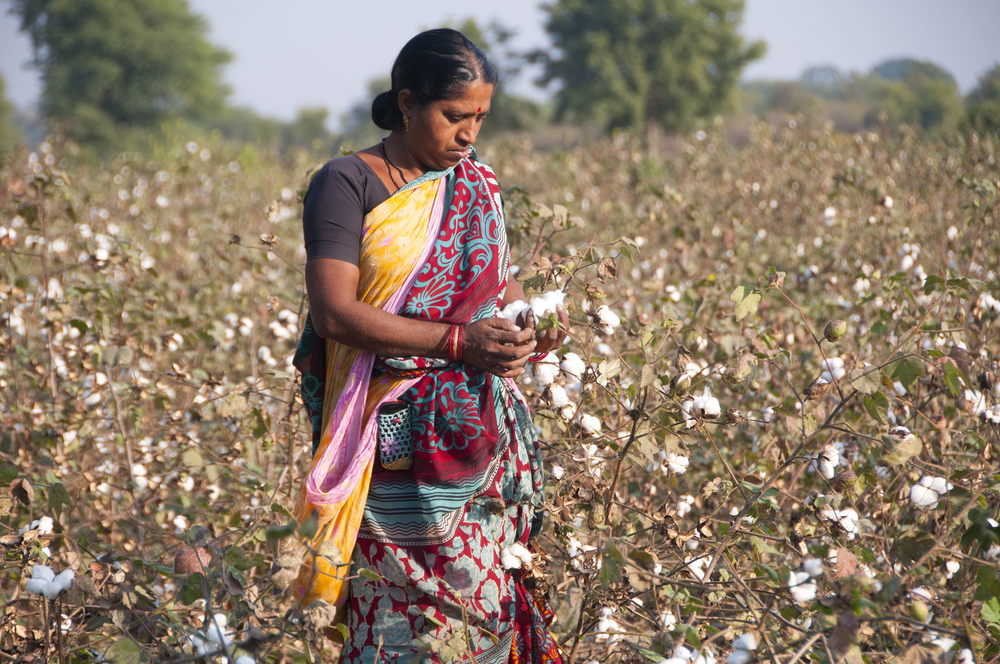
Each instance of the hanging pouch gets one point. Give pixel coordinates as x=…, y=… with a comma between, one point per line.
x=395, y=437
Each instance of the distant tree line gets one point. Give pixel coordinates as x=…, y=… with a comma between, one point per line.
x=901, y=91
x=115, y=71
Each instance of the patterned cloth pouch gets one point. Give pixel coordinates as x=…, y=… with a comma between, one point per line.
x=395, y=438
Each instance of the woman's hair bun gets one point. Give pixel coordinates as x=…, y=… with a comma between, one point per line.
x=385, y=112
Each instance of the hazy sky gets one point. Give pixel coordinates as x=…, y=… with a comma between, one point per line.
x=297, y=53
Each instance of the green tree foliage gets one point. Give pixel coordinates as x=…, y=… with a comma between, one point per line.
x=10, y=134
x=915, y=92
x=638, y=63
x=983, y=103
x=115, y=69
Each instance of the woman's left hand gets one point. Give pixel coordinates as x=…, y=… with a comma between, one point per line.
x=550, y=339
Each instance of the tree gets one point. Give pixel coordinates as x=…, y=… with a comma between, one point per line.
x=10, y=134
x=117, y=68
x=642, y=63
x=915, y=92
x=983, y=103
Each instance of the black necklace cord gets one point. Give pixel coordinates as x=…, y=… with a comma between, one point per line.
x=389, y=166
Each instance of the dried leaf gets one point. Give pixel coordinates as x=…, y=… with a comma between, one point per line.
x=22, y=490
x=607, y=268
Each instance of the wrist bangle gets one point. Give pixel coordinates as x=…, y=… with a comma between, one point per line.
x=455, y=338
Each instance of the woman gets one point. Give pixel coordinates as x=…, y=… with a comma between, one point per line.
x=407, y=268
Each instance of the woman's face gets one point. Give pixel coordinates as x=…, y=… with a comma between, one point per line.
x=442, y=132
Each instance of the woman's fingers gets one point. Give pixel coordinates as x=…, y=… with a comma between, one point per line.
x=553, y=337
x=498, y=346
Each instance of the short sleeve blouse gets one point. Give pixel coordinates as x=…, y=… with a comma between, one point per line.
x=339, y=197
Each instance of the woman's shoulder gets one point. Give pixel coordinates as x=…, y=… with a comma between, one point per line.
x=348, y=166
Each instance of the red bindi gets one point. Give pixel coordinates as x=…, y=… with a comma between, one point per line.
x=479, y=110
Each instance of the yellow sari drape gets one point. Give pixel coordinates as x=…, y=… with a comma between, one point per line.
x=395, y=236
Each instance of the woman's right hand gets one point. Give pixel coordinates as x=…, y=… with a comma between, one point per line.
x=498, y=346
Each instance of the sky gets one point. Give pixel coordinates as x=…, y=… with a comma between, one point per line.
x=324, y=52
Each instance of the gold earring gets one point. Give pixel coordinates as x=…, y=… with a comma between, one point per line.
x=406, y=122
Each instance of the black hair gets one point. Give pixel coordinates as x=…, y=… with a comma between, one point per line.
x=434, y=65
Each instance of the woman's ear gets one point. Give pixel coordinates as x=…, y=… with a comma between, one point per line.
x=405, y=102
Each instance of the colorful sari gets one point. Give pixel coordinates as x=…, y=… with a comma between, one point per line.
x=414, y=555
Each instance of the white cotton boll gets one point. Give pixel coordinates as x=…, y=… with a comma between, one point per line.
x=573, y=367
x=975, y=401
x=216, y=630
x=608, y=319
x=906, y=263
x=686, y=407
x=965, y=656
x=558, y=472
x=568, y=411
x=51, y=589
x=746, y=642
x=667, y=620
x=813, y=567
x=246, y=327
x=513, y=310
x=739, y=657
x=674, y=660
x=683, y=652
x=558, y=397
x=590, y=425
x=546, y=303
x=802, y=587
x=951, y=568
x=604, y=349
x=180, y=523
x=521, y=552
x=186, y=483
x=43, y=572
x=830, y=213
x=697, y=566
x=922, y=496
x=706, y=405
x=231, y=319
x=45, y=525
x=939, y=485
x=509, y=560
x=65, y=579
x=245, y=659
x=677, y=463
x=545, y=370
x=684, y=505
x=34, y=586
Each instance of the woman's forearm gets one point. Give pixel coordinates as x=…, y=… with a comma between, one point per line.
x=367, y=327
